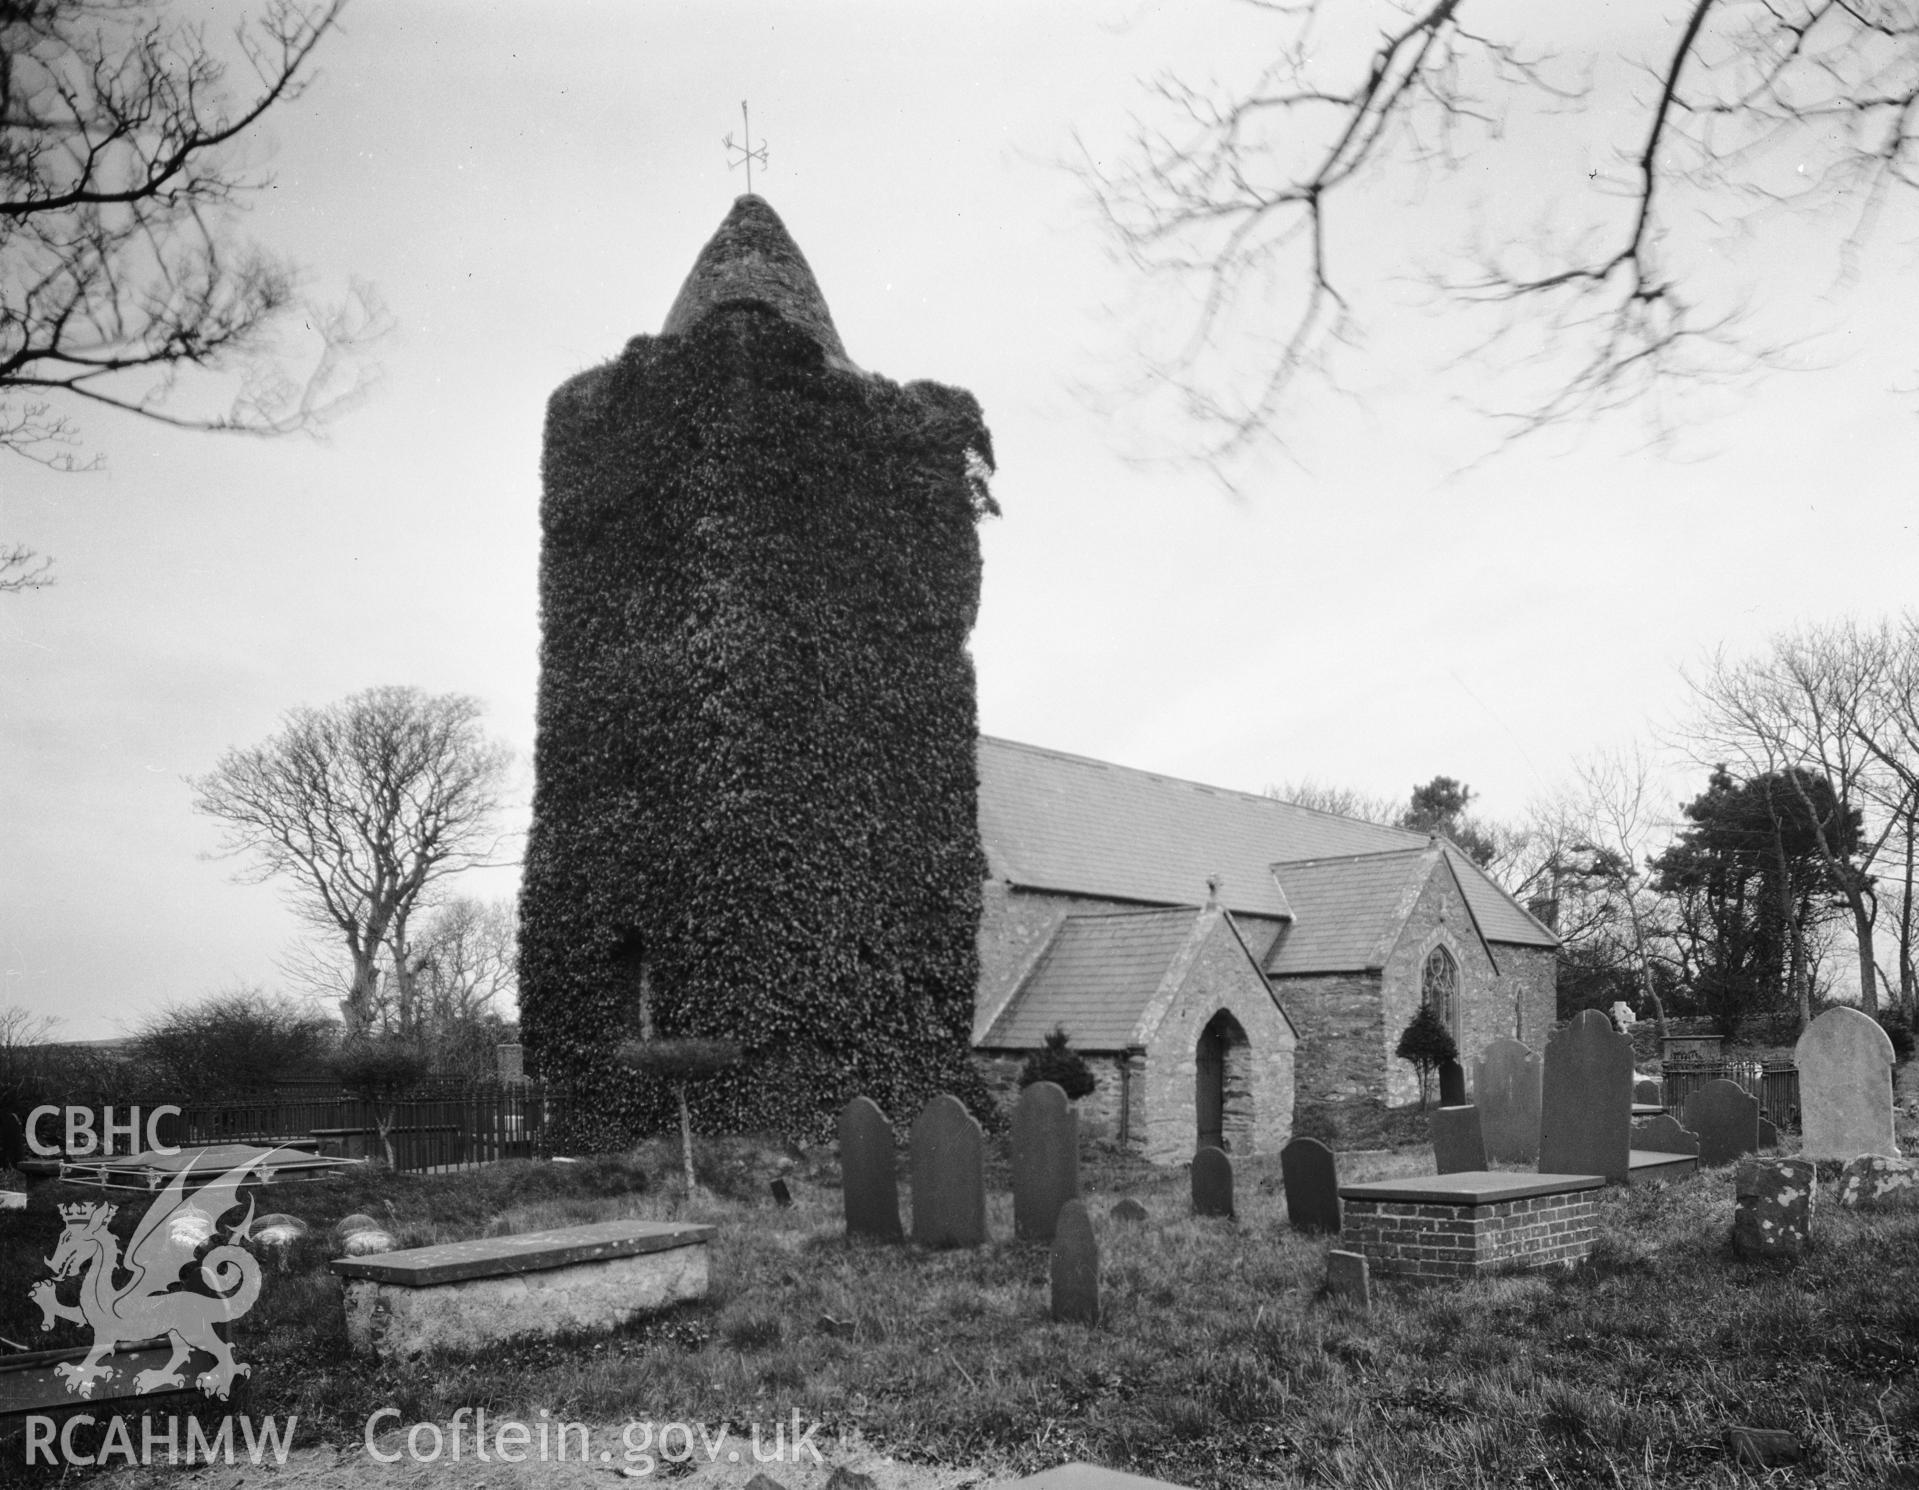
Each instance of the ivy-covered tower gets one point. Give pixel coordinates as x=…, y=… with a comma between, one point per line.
x=754, y=809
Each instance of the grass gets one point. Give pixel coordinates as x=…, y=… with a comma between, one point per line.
x=1219, y=1361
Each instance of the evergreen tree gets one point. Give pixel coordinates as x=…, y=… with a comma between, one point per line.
x=1428, y=1045
x=1054, y=1062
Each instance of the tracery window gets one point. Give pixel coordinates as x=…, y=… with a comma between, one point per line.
x=1439, y=986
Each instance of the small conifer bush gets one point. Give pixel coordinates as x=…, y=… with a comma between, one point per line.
x=1428, y=1045
x=1065, y=1068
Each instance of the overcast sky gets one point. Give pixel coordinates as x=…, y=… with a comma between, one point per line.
x=526, y=186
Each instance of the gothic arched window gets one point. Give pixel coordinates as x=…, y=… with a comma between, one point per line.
x=1439, y=986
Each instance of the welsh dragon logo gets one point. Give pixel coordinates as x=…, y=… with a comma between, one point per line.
x=169, y=1237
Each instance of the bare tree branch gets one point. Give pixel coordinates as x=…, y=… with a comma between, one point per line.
x=1252, y=196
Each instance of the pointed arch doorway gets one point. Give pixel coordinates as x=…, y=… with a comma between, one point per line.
x=1222, y=1085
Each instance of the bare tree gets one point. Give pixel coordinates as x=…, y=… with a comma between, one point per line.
x=1340, y=801
x=1819, y=704
x=121, y=169
x=1250, y=193
x=364, y=806
x=1592, y=840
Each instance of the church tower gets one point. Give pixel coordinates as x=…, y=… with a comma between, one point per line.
x=754, y=813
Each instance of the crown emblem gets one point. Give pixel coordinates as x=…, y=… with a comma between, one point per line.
x=84, y=1211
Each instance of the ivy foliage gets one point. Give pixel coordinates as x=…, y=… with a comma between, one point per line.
x=755, y=796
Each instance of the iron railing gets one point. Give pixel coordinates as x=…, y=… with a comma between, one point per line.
x=1774, y=1083
x=442, y=1125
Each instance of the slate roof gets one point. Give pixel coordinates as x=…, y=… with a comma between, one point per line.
x=1096, y=977
x=1346, y=911
x=1066, y=823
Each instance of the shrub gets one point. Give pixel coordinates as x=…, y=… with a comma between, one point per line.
x=1428, y=1044
x=1066, y=1069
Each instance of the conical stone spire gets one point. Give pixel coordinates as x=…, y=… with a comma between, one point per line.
x=753, y=258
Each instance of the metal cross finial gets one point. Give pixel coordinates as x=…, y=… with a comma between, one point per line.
x=746, y=151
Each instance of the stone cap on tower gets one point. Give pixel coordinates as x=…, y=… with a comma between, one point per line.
x=752, y=258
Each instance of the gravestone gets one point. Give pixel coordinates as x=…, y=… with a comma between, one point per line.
x=1128, y=1209
x=1347, y=1277
x=1772, y=1214
x=869, y=1171
x=1075, y=1271
x=1768, y=1133
x=1665, y=1134
x=1845, y=1086
x=1646, y=1092
x=1457, y=1143
x=1506, y=1092
x=1452, y=1084
x=1870, y=1178
x=1045, y=1159
x=1726, y=1117
x=949, y=1177
x=1311, y=1177
x=1212, y=1183
x=1585, y=1100
x=782, y=1197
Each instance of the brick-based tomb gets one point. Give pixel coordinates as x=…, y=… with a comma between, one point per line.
x=1461, y=1225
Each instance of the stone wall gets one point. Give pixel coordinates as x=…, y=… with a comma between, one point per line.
x=1439, y=917
x=1219, y=977
x=1341, y=1038
x=1099, y=1111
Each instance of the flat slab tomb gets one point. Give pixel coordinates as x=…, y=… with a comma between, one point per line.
x=464, y=1296
x=1461, y=1225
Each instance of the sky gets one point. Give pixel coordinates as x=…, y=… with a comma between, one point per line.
x=1394, y=596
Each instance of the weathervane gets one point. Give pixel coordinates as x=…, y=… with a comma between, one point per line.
x=746, y=151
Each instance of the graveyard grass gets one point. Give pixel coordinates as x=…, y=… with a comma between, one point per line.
x=1218, y=1361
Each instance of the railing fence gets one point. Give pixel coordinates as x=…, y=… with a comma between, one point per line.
x=1774, y=1083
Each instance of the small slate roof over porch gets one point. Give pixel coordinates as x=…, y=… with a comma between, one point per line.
x=1096, y=978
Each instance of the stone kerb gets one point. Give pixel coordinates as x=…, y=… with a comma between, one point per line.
x=1506, y=1091
x=1726, y=1117
x=949, y=1175
x=1045, y=1159
x=1845, y=1087
x=869, y=1171
x=1585, y=1117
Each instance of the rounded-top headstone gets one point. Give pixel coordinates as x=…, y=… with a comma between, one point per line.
x=869, y=1174
x=949, y=1176
x=1045, y=1153
x=1506, y=1090
x=1585, y=1100
x=1212, y=1183
x=1311, y=1176
x=1726, y=1117
x=1845, y=1086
